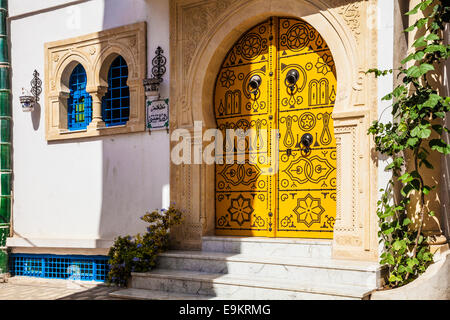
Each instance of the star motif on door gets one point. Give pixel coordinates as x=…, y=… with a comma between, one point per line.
x=307, y=121
x=240, y=210
x=308, y=210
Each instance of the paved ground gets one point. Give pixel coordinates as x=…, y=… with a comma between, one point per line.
x=23, y=288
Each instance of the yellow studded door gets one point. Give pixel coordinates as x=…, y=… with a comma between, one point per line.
x=279, y=75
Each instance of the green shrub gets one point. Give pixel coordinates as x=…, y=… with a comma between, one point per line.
x=139, y=253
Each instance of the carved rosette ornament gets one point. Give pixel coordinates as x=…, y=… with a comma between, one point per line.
x=350, y=11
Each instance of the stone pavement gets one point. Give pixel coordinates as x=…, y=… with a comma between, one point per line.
x=25, y=288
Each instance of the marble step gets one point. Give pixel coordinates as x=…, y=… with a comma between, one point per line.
x=225, y=286
x=277, y=247
x=359, y=273
x=143, y=294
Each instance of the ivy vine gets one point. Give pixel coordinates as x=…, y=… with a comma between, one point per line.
x=415, y=132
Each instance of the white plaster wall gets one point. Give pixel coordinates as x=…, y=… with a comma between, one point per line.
x=86, y=189
x=385, y=62
x=385, y=84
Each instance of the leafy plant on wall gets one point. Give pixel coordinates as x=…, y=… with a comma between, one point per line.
x=139, y=253
x=414, y=134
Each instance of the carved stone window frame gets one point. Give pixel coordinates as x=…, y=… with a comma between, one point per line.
x=96, y=52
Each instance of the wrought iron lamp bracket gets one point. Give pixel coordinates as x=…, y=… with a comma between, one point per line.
x=158, y=70
x=28, y=101
x=36, y=85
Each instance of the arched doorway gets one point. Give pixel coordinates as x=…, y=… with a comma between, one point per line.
x=279, y=75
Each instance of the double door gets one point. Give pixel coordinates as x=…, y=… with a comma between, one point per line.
x=273, y=102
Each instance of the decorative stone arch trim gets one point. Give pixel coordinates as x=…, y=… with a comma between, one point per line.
x=203, y=32
x=95, y=52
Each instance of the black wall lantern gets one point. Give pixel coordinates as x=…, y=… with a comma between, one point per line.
x=27, y=100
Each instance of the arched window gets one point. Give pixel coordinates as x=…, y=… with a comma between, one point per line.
x=79, y=113
x=116, y=102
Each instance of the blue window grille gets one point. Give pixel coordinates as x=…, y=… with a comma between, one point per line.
x=69, y=267
x=116, y=102
x=80, y=102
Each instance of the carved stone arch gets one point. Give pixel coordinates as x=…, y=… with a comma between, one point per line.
x=206, y=59
x=201, y=35
x=65, y=68
x=105, y=59
x=134, y=81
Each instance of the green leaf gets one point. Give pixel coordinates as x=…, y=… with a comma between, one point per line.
x=425, y=67
x=413, y=71
x=392, y=278
x=418, y=71
x=439, y=145
x=421, y=131
x=419, y=242
x=398, y=244
x=405, y=178
x=427, y=256
x=420, y=42
x=407, y=222
x=413, y=56
x=398, y=91
x=411, y=142
x=432, y=37
x=421, y=22
x=414, y=10
x=390, y=259
x=426, y=190
x=387, y=97
x=434, y=48
x=425, y=4
x=410, y=28
x=433, y=100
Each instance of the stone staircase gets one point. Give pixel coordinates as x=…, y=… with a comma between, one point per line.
x=255, y=268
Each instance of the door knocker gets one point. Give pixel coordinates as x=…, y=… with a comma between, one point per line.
x=254, y=84
x=306, y=140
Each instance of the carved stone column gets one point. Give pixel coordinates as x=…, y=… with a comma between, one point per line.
x=185, y=195
x=97, y=94
x=356, y=224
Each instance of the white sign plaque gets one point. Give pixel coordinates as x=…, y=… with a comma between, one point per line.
x=158, y=114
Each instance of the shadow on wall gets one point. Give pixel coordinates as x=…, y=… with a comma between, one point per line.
x=36, y=116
